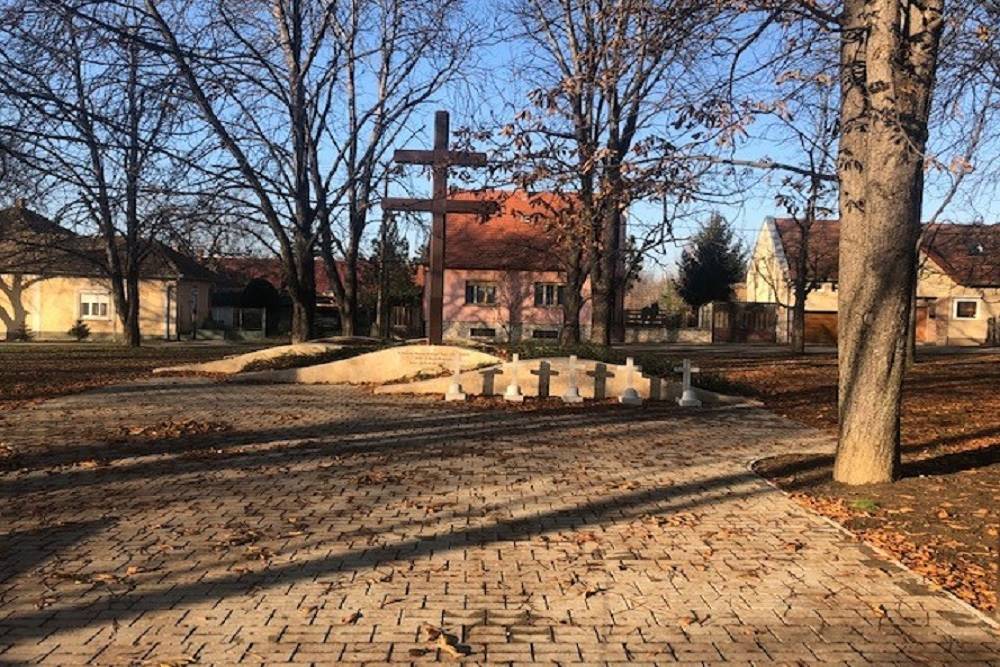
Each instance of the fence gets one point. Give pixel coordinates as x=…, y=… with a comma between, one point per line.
x=744, y=322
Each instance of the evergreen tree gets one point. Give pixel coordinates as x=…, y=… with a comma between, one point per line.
x=391, y=281
x=710, y=266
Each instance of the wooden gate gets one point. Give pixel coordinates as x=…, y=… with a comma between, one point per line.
x=744, y=322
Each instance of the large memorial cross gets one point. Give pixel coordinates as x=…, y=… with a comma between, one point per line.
x=439, y=159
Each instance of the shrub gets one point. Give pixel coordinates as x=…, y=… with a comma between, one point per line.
x=80, y=331
x=651, y=363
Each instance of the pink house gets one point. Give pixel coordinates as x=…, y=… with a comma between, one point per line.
x=503, y=278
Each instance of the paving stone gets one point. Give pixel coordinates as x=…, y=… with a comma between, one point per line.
x=591, y=533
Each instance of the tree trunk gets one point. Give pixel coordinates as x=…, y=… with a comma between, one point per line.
x=881, y=185
x=348, y=306
x=304, y=297
x=572, y=302
x=911, y=330
x=604, y=271
x=798, y=337
x=133, y=334
x=600, y=331
x=303, y=319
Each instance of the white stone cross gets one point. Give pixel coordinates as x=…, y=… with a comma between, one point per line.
x=629, y=395
x=513, y=392
x=572, y=394
x=455, y=392
x=688, y=399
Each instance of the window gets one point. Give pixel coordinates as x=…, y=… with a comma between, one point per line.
x=482, y=332
x=966, y=309
x=545, y=333
x=94, y=306
x=549, y=294
x=481, y=293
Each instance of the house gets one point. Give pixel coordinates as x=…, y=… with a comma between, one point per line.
x=504, y=278
x=51, y=277
x=257, y=284
x=958, y=282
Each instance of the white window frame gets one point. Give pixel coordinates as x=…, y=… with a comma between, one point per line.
x=954, y=309
x=555, y=290
x=91, y=298
x=480, y=289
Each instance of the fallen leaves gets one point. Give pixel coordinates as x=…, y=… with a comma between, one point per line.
x=377, y=477
x=169, y=430
x=448, y=644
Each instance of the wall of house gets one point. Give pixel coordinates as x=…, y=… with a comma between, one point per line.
x=933, y=283
x=514, y=316
x=48, y=307
x=767, y=282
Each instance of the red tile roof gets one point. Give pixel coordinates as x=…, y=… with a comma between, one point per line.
x=522, y=236
x=822, y=248
x=31, y=243
x=969, y=254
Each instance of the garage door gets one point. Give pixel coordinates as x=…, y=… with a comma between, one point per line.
x=821, y=328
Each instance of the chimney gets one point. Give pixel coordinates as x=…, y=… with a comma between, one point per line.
x=20, y=203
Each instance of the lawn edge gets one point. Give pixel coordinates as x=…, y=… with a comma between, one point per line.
x=989, y=620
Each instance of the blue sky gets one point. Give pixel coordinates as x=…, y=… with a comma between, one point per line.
x=746, y=212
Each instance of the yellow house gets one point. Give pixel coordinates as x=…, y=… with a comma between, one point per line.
x=958, y=283
x=50, y=278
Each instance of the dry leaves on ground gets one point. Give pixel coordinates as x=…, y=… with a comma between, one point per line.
x=169, y=430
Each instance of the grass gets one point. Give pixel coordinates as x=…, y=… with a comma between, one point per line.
x=287, y=361
x=37, y=371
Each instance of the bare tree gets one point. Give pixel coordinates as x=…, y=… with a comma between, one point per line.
x=304, y=98
x=88, y=114
x=262, y=76
x=611, y=81
x=397, y=55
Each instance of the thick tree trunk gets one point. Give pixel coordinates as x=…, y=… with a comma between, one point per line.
x=348, y=315
x=603, y=278
x=600, y=331
x=303, y=320
x=881, y=186
x=911, y=329
x=304, y=297
x=348, y=306
x=572, y=302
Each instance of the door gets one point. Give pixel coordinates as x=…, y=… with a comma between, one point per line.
x=821, y=328
x=926, y=331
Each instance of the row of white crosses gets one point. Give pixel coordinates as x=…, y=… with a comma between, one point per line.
x=572, y=394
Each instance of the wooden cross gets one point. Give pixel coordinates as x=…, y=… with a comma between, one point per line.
x=601, y=376
x=439, y=159
x=545, y=374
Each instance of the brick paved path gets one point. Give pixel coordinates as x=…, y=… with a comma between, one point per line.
x=331, y=526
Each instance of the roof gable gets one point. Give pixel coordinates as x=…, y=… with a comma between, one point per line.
x=968, y=254
x=522, y=236
x=31, y=243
